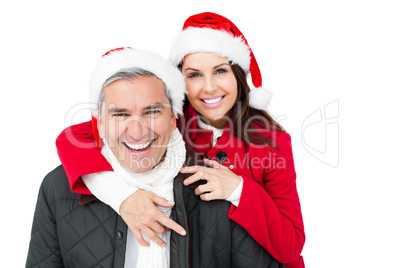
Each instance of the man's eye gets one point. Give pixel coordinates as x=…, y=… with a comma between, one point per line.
x=121, y=115
x=153, y=112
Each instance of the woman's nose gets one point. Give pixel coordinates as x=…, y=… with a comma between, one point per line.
x=210, y=84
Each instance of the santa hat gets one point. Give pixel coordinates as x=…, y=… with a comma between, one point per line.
x=210, y=32
x=123, y=58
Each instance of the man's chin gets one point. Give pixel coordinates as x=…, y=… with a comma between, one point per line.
x=142, y=166
x=140, y=170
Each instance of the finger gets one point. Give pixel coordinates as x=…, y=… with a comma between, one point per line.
x=213, y=163
x=158, y=228
x=171, y=224
x=154, y=237
x=199, y=175
x=204, y=188
x=160, y=201
x=139, y=237
x=207, y=196
x=193, y=169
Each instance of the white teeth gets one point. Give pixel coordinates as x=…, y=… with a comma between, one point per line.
x=212, y=100
x=139, y=146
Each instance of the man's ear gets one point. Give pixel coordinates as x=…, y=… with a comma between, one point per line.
x=101, y=126
x=96, y=132
x=174, y=125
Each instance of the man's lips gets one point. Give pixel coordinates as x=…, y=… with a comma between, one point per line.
x=139, y=146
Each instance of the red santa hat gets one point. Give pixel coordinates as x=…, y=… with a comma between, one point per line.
x=119, y=59
x=210, y=32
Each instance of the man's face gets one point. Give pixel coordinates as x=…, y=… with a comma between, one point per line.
x=137, y=121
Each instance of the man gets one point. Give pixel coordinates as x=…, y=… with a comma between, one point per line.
x=139, y=95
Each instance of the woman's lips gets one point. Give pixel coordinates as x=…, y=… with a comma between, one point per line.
x=212, y=102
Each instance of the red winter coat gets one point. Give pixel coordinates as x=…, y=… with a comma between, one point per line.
x=269, y=207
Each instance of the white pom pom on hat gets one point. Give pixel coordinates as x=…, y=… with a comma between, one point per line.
x=260, y=98
x=210, y=32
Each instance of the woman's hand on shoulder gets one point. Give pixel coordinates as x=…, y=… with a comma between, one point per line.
x=221, y=181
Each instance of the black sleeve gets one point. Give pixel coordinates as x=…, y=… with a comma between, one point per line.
x=44, y=250
x=222, y=242
x=246, y=252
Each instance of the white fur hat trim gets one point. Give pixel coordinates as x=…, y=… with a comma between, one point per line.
x=118, y=60
x=192, y=40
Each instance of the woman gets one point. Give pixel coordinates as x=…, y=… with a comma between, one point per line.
x=250, y=154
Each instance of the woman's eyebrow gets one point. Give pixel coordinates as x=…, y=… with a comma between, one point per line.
x=191, y=69
x=217, y=66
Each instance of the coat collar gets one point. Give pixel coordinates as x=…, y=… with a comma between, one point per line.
x=86, y=198
x=200, y=140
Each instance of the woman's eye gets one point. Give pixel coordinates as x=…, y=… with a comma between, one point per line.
x=221, y=71
x=193, y=75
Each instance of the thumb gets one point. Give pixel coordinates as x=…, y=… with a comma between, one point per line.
x=160, y=201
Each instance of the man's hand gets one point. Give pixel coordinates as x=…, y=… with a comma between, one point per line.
x=140, y=213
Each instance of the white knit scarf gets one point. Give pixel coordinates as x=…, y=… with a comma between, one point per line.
x=158, y=180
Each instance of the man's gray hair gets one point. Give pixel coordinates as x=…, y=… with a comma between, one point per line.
x=127, y=74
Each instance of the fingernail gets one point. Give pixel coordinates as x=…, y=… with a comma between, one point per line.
x=183, y=233
x=185, y=182
x=171, y=202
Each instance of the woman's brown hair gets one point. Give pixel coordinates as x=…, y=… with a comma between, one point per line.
x=250, y=123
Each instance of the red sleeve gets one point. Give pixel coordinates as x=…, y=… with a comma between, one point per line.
x=272, y=213
x=79, y=155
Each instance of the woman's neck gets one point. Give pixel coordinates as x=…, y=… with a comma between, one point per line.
x=219, y=123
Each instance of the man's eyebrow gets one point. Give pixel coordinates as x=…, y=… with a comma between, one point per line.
x=118, y=110
x=125, y=110
x=154, y=106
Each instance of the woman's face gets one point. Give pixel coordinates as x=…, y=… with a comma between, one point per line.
x=211, y=86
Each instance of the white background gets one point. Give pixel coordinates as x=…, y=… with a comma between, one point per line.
x=345, y=55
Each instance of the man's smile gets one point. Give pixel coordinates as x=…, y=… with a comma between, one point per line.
x=139, y=146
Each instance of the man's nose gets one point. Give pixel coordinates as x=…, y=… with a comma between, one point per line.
x=136, y=128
